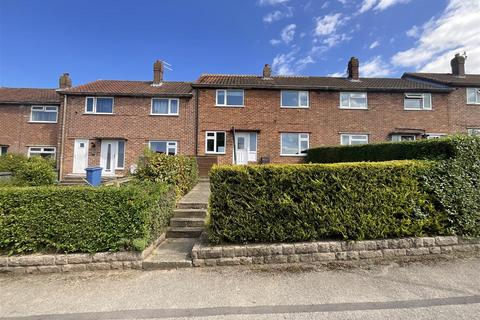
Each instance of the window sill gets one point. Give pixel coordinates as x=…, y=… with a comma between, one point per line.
x=164, y=115
x=347, y=108
x=228, y=106
x=285, y=107
x=216, y=153
x=473, y=103
x=50, y=122
x=98, y=114
x=293, y=155
x=417, y=109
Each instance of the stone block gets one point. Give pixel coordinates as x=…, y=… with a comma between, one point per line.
x=3, y=261
x=117, y=265
x=258, y=260
x=201, y=253
x=275, y=249
x=288, y=249
x=240, y=251
x=61, y=259
x=389, y=253
x=79, y=258
x=435, y=250
x=104, y=256
x=73, y=267
x=341, y=255
x=255, y=250
x=418, y=242
x=127, y=256
x=98, y=266
x=370, y=254
x=228, y=262
x=370, y=245
x=382, y=244
x=446, y=241
x=400, y=252
x=323, y=247
x=305, y=257
x=245, y=260
x=301, y=248
x=228, y=252
x=210, y=262
x=293, y=258
x=464, y=248
x=49, y=269
x=446, y=249
x=136, y=265
x=198, y=262
x=276, y=259
x=428, y=241
x=417, y=251
x=31, y=270
x=214, y=253
x=30, y=260
x=335, y=246
x=323, y=256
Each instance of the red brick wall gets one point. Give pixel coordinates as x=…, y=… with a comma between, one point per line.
x=132, y=121
x=323, y=120
x=463, y=116
x=18, y=133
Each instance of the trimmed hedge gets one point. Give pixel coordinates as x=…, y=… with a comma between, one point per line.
x=33, y=171
x=427, y=149
x=287, y=203
x=83, y=219
x=178, y=171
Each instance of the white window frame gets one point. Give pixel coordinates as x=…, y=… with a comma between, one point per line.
x=124, y=154
x=422, y=96
x=42, y=150
x=435, y=135
x=225, y=102
x=350, y=135
x=400, y=135
x=169, y=144
x=215, y=142
x=470, y=131
x=169, y=111
x=349, y=101
x=44, y=109
x=477, y=96
x=300, y=139
x=95, y=105
x=298, y=97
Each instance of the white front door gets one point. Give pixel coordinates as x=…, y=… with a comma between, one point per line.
x=80, y=155
x=108, y=156
x=246, y=147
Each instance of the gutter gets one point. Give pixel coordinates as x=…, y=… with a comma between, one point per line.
x=196, y=122
x=62, y=145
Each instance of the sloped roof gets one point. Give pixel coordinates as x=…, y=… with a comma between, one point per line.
x=132, y=88
x=320, y=83
x=446, y=78
x=29, y=96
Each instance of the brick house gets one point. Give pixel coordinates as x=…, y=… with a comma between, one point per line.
x=109, y=123
x=248, y=118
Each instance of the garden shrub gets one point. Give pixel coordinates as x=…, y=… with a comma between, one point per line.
x=83, y=219
x=10, y=162
x=33, y=171
x=178, y=171
x=355, y=201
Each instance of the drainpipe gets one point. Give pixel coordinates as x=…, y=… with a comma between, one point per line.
x=62, y=138
x=234, y=146
x=196, y=122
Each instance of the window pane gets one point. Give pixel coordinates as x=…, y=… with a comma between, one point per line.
x=220, y=142
x=44, y=116
x=104, y=105
x=160, y=106
x=253, y=142
x=290, y=98
x=474, y=132
x=303, y=98
x=220, y=96
x=3, y=150
x=345, y=140
x=358, y=102
x=210, y=145
x=235, y=97
x=303, y=146
x=159, y=146
x=174, y=106
x=427, y=99
x=344, y=98
x=471, y=95
x=172, y=151
x=121, y=154
x=289, y=143
x=413, y=103
x=89, y=104
x=51, y=108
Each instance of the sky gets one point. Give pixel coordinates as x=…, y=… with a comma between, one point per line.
x=118, y=39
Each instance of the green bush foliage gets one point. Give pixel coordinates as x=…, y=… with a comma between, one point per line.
x=11, y=161
x=178, y=171
x=427, y=149
x=33, y=171
x=287, y=203
x=83, y=219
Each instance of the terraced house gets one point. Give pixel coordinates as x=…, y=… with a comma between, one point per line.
x=232, y=118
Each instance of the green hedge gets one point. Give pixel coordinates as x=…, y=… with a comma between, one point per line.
x=83, y=219
x=179, y=171
x=427, y=149
x=33, y=171
x=286, y=203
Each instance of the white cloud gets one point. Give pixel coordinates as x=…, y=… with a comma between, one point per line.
x=275, y=42
x=337, y=74
x=278, y=15
x=375, y=67
x=328, y=24
x=379, y=5
x=335, y=39
x=455, y=30
x=374, y=45
x=290, y=63
x=342, y=1
x=271, y=2
x=413, y=32
x=288, y=33
x=325, y=5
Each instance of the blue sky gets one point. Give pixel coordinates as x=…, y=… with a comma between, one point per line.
x=108, y=39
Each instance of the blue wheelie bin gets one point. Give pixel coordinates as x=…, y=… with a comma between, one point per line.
x=94, y=176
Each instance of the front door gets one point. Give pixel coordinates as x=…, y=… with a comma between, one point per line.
x=80, y=155
x=108, y=157
x=241, y=143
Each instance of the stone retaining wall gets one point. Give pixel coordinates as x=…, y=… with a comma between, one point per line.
x=328, y=251
x=51, y=263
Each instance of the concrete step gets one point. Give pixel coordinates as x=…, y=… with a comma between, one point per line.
x=190, y=213
x=192, y=205
x=184, y=232
x=171, y=254
x=187, y=222
x=203, y=179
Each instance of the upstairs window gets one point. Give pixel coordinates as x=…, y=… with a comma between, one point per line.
x=230, y=98
x=294, y=99
x=99, y=105
x=403, y=137
x=294, y=144
x=166, y=147
x=44, y=152
x=215, y=142
x=353, y=139
x=473, y=95
x=44, y=114
x=353, y=100
x=165, y=107
x=417, y=101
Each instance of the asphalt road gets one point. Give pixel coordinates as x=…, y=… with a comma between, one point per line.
x=433, y=290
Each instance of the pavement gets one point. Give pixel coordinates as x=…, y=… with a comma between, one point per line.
x=439, y=289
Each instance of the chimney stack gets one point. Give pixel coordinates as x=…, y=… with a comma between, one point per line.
x=353, y=69
x=65, y=82
x=267, y=71
x=458, y=65
x=157, y=73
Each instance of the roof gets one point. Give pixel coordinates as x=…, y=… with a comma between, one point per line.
x=132, y=88
x=446, y=78
x=29, y=96
x=318, y=83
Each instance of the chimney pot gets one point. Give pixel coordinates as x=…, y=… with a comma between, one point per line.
x=353, y=65
x=267, y=71
x=157, y=73
x=458, y=65
x=65, y=81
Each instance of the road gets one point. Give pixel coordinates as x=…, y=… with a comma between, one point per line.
x=443, y=289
